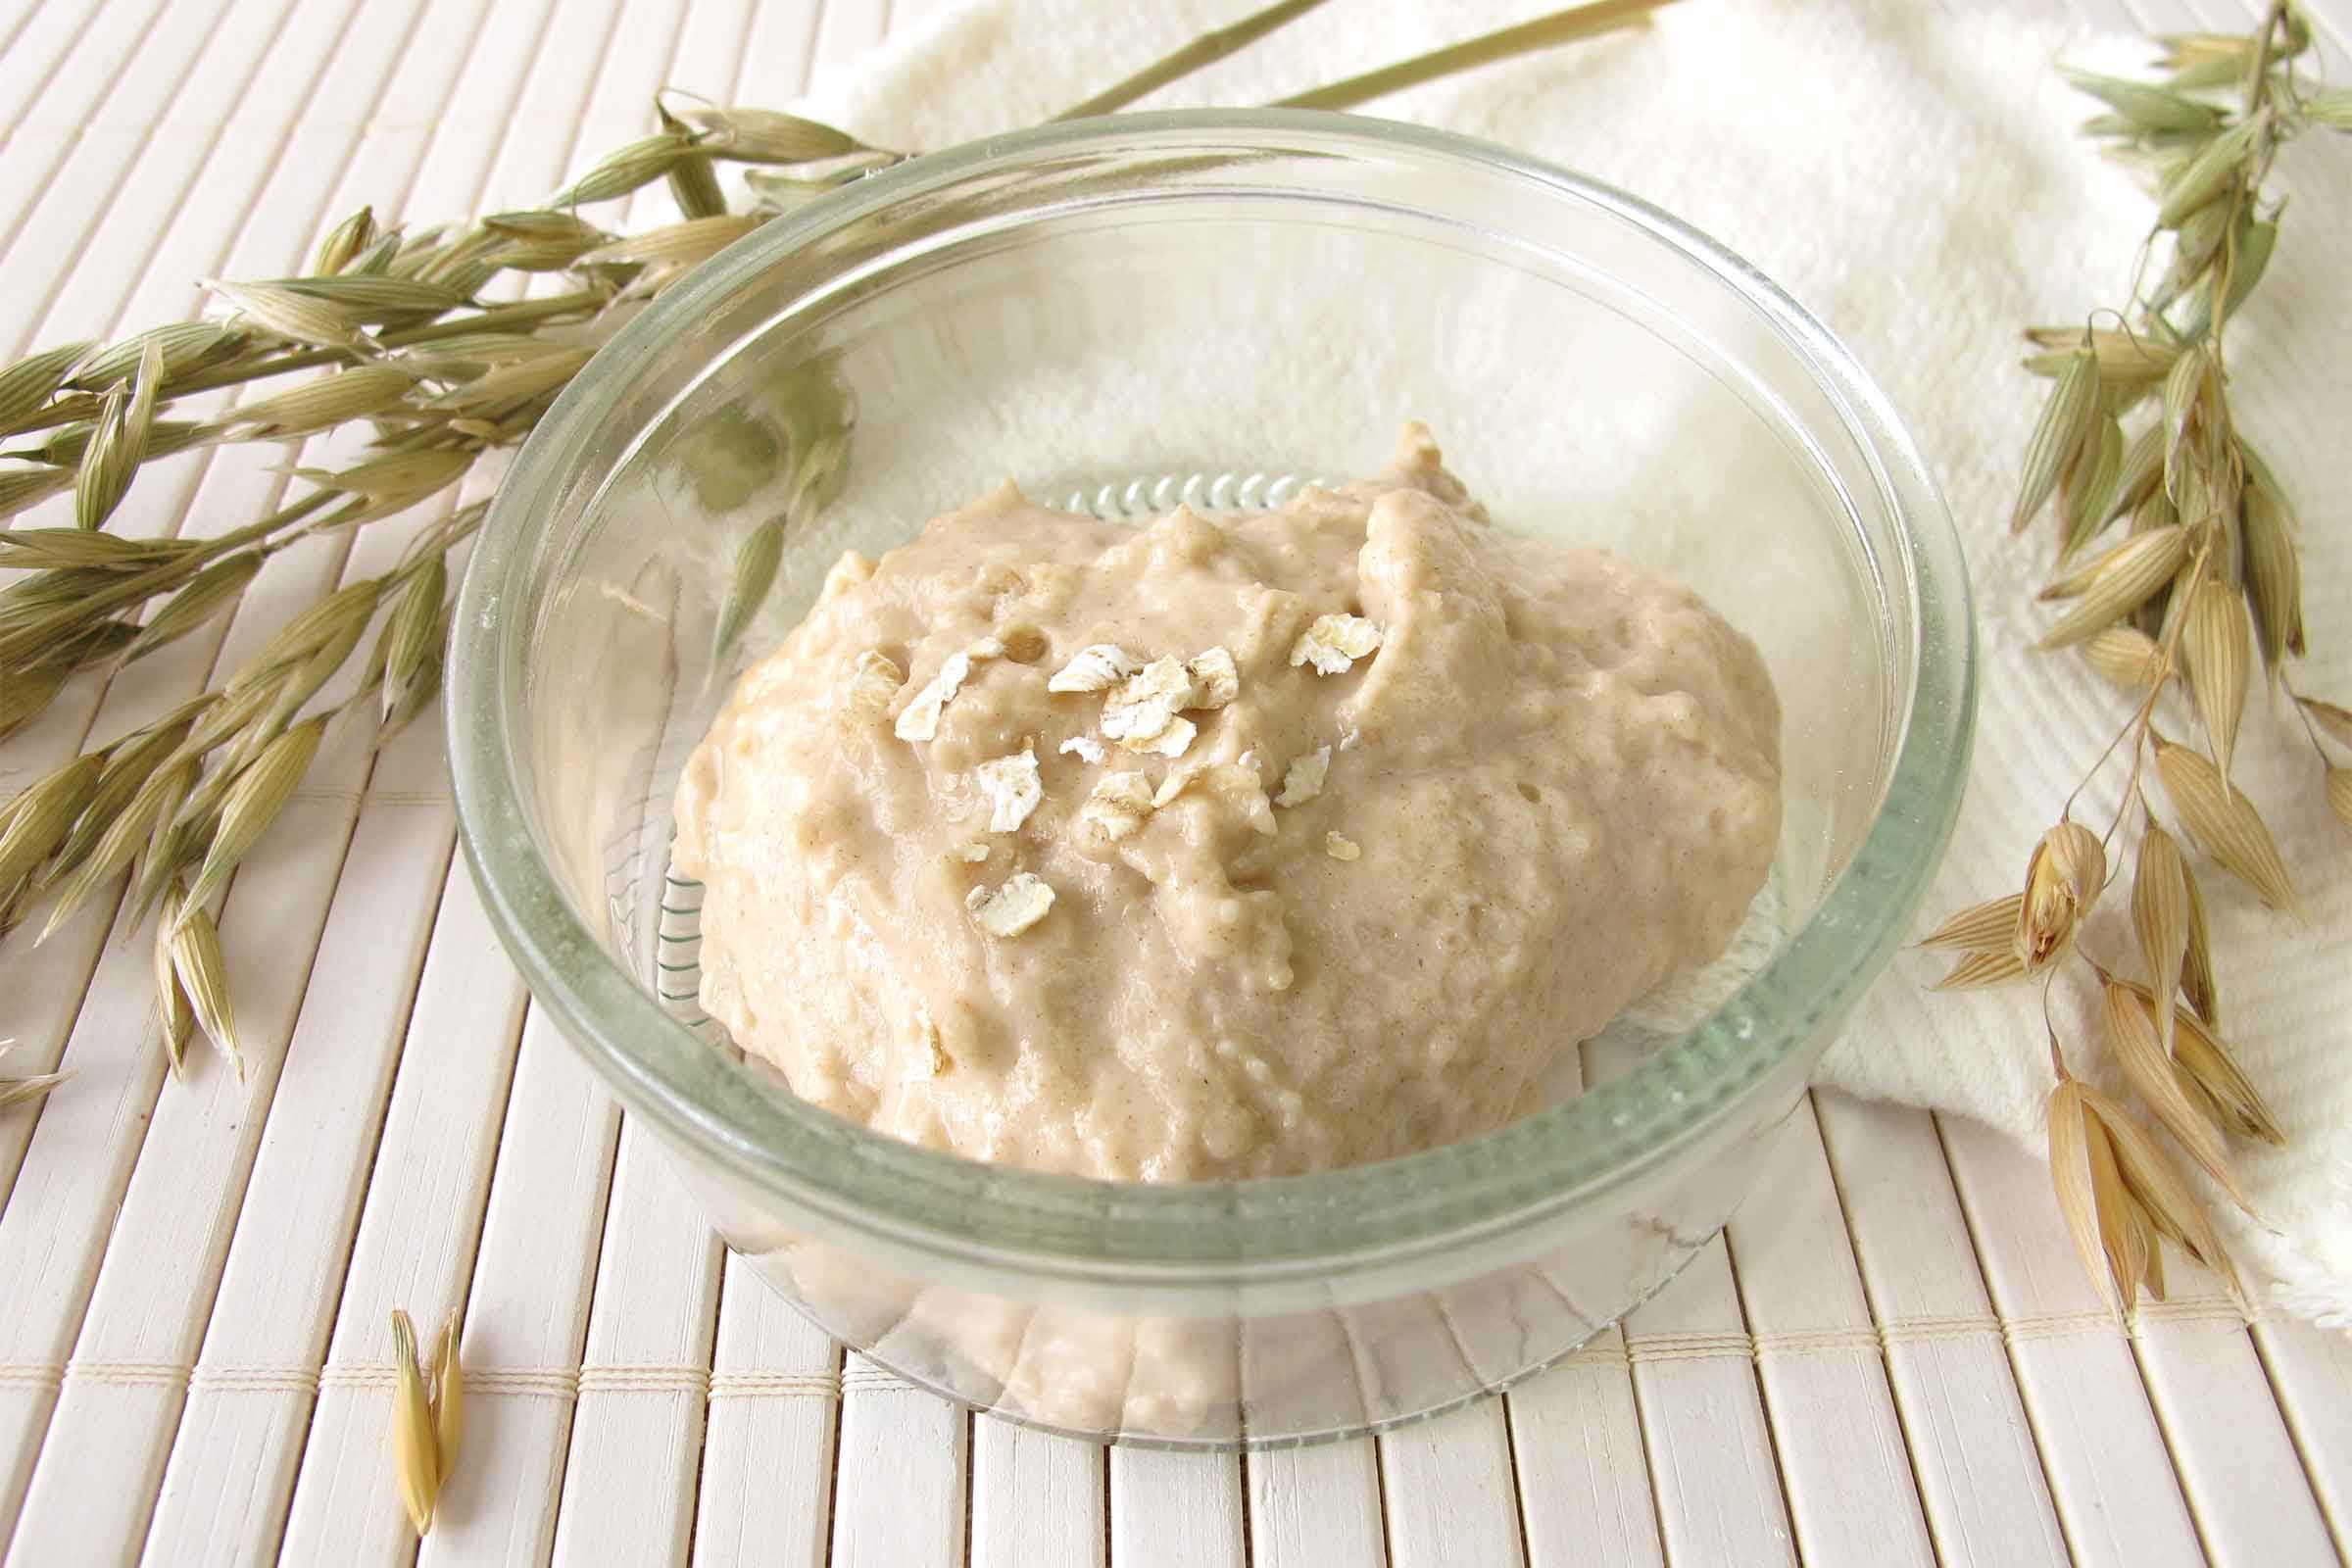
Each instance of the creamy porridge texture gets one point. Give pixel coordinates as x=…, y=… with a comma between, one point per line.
x=1223, y=847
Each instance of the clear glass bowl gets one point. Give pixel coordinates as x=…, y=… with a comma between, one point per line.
x=1220, y=306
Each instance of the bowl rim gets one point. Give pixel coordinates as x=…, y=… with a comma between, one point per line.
x=848, y=1182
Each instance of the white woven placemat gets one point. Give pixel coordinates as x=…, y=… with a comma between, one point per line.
x=1898, y=1363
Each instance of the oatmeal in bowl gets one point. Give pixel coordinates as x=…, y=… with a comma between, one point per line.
x=1221, y=847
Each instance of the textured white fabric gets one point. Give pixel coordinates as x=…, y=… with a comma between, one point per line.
x=1909, y=172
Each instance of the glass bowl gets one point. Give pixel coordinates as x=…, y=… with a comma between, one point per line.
x=1215, y=307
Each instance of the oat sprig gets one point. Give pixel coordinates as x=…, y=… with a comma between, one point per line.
x=2204, y=580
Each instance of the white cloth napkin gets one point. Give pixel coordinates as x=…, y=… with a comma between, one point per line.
x=1911, y=175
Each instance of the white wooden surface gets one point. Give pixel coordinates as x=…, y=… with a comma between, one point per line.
x=1896, y=1363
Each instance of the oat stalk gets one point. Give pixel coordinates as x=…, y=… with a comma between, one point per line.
x=2204, y=581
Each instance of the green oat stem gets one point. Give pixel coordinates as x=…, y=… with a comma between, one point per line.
x=1544, y=32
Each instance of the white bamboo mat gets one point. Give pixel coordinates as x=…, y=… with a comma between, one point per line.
x=1898, y=1363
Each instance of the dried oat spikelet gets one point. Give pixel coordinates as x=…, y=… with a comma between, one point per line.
x=449, y=1396
x=2160, y=917
x=254, y=802
x=218, y=587
x=2334, y=721
x=2214, y=638
x=625, y=169
x=1988, y=927
x=340, y=613
x=186, y=346
x=765, y=136
x=2125, y=657
x=2224, y=825
x=2339, y=794
x=2131, y=1036
x=2142, y=107
x=697, y=239
x=2111, y=1235
x=129, y=763
x=2273, y=574
x=2068, y=419
x=2213, y=170
x=24, y=1090
x=2198, y=61
x=119, y=444
x=295, y=317
x=197, y=959
x=2087, y=491
x=410, y=647
x=1977, y=970
x=2063, y=879
x=2197, y=985
x=406, y=477
x=427, y=1417
x=2209, y=1074
x=322, y=404
x=2115, y=584
x=345, y=242
x=2117, y=1192
x=154, y=804
x=173, y=1011
x=28, y=385
x=39, y=818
